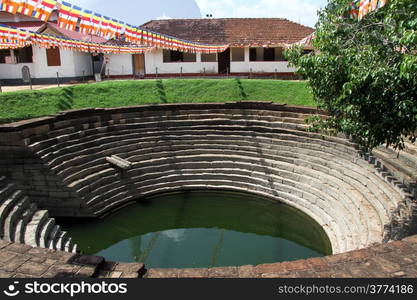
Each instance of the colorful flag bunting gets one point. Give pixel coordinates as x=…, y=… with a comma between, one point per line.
x=86, y=24
x=64, y=15
x=354, y=10
x=28, y=7
x=70, y=16
x=44, y=9
x=96, y=24
x=11, y=6
x=105, y=26
x=17, y=38
x=120, y=28
x=113, y=28
x=75, y=15
x=364, y=6
x=360, y=8
x=373, y=5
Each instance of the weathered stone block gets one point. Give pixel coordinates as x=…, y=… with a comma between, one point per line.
x=193, y=273
x=228, y=272
x=162, y=273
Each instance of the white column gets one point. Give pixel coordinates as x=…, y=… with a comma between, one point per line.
x=247, y=59
x=247, y=54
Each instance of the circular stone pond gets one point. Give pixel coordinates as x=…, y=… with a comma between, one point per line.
x=195, y=229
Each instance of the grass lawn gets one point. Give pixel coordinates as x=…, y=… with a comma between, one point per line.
x=21, y=105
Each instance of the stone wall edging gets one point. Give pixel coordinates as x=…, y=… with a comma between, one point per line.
x=393, y=260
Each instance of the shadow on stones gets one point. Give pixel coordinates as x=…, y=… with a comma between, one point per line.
x=66, y=101
x=161, y=91
x=254, y=133
x=242, y=92
x=403, y=218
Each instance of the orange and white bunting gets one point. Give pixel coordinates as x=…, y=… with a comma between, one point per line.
x=76, y=19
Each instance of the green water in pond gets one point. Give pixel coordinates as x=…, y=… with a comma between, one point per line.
x=199, y=230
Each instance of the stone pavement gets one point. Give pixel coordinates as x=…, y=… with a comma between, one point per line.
x=396, y=259
x=22, y=261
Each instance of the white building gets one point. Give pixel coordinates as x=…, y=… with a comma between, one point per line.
x=45, y=65
x=256, y=48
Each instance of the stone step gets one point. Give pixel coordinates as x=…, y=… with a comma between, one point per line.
x=198, y=157
x=45, y=234
x=34, y=227
x=68, y=168
x=95, y=157
x=275, y=162
x=117, y=186
x=318, y=158
x=7, y=206
x=61, y=241
x=398, y=165
x=73, y=165
x=290, y=119
x=5, y=191
x=80, y=182
x=196, y=116
x=85, y=172
x=54, y=236
x=411, y=148
x=27, y=215
x=3, y=181
x=98, y=143
x=68, y=245
x=24, y=220
x=129, y=136
x=153, y=165
x=19, y=232
x=404, y=157
x=13, y=218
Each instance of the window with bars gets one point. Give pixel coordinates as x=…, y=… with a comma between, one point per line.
x=238, y=54
x=266, y=54
x=170, y=56
x=5, y=56
x=24, y=55
x=206, y=57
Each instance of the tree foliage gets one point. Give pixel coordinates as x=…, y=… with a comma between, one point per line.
x=364, y=73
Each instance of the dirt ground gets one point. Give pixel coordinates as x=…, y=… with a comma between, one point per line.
x=27, y=87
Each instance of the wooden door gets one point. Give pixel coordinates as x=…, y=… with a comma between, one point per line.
x=139, y=64
x=224, y=62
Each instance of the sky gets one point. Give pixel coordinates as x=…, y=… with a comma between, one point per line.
x=137, y=12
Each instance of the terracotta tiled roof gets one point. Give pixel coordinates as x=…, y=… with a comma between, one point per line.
x=39, y=27
x=236, y=32
x=76, y=35
x=28, y=25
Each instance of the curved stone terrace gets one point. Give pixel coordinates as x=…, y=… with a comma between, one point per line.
x=90, y=162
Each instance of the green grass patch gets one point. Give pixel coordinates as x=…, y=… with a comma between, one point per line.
x=22, y=105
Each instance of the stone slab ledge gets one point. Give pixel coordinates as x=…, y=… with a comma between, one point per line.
x=397, y=259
